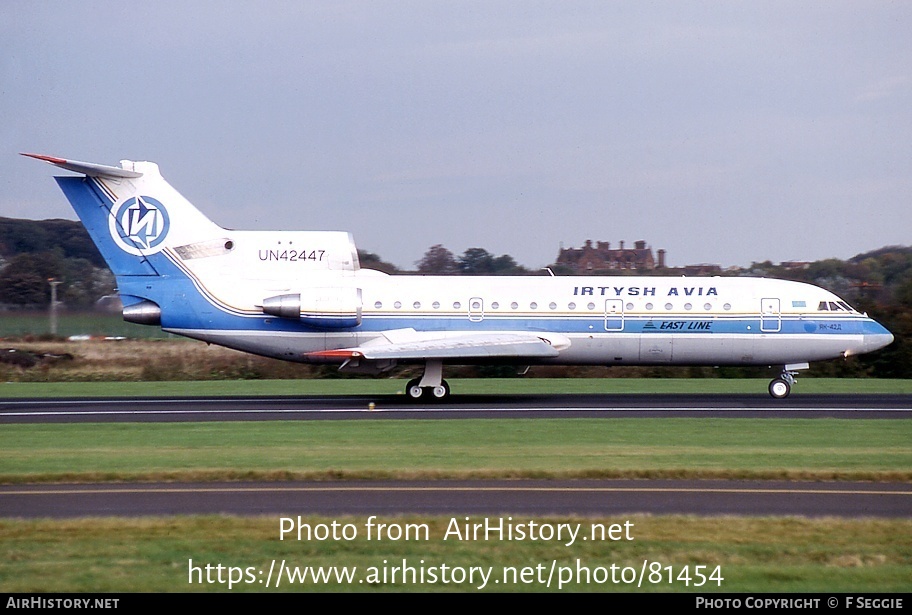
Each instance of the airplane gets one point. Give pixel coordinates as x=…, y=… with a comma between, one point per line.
x=302, y=296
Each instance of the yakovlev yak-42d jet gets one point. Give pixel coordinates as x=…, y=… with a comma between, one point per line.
x=302, y=296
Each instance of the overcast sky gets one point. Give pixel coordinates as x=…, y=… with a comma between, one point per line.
x=724, y=132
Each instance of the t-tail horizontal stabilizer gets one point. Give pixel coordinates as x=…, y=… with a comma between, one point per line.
x=87, y=168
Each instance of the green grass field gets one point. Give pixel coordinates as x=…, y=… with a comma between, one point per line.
x=817, y=449
x=17, y=324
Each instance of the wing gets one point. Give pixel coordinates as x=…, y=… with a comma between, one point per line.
x=409, y=344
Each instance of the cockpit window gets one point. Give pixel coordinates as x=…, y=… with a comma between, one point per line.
x=834, y=306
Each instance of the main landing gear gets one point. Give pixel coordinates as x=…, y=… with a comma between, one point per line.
x=431, y=385
x=781, y=385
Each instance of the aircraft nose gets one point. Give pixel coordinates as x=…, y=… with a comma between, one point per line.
x=876, y=336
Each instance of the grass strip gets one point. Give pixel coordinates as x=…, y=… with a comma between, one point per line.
x=810, y=449
x=781, y=555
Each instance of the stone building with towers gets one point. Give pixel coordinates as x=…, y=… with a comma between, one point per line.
x=600, y=256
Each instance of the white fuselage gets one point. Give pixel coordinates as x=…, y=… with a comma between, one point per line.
x=622, y=320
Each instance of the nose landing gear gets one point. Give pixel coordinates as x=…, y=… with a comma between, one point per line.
x=781, y=386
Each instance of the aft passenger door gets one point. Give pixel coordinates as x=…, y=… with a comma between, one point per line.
x=770, y=316
x=614, y=315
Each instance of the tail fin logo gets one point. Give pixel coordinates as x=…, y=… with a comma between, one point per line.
x=139, y=225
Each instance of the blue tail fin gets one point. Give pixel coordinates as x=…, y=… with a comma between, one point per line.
x=117, y=237
x=177, y=268
x=131, y=213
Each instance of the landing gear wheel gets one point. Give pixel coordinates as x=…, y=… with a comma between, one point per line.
x=780, y=388
x=441, y=391
x=414, y=391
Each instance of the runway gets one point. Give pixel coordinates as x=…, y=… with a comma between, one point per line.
x=503, y=497
x=527, y=497
x=397, y=407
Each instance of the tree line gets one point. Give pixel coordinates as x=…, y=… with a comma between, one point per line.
x=33, y=252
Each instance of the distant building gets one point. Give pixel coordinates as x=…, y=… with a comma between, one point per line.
x=601, y=256
x=703, y=269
